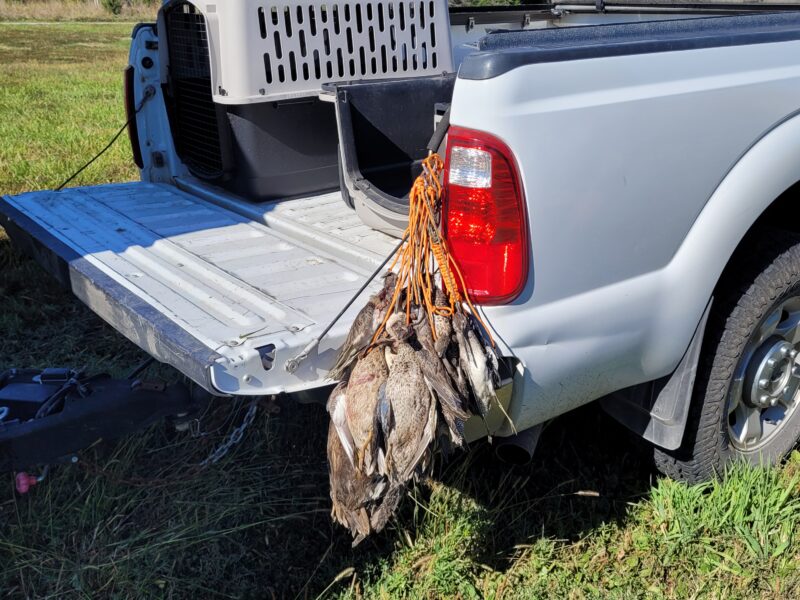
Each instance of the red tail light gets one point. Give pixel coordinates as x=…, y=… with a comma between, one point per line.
x=484, y=216
x=130, y=112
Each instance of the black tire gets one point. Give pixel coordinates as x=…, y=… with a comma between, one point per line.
x=764, y=274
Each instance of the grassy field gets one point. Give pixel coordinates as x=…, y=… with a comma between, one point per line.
x=75, y=10
x=135, y=519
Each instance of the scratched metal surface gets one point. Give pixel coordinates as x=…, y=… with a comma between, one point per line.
x=236, y=276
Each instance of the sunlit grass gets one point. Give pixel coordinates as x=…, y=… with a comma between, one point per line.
x=734, y=538
x=60, y=101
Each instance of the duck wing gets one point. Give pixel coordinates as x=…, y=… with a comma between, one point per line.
x=385, y=422
x=492, y=360
x=428, y=437
x=337, y=409
x=423, y=443
x=436, y=373
x=452, y=364
x=357, y=339
x=348, y=489
x=450, y=402
x=480, y=376
x=384, y=511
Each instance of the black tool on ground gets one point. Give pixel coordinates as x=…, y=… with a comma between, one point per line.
x=48, y=415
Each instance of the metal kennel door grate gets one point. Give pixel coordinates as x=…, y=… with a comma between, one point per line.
x=195, y=122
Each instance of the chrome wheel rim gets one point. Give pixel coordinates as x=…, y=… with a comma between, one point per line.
x=764, y=392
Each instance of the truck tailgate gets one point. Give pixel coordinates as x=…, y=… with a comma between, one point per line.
x=223, y=290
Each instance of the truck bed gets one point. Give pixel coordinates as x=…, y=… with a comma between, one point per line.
x=223, y=290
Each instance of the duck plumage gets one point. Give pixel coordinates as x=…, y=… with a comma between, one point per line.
x=363, y=395
x=413, y=407
x=364, y=326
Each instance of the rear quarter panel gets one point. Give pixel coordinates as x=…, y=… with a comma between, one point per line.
x=641, y=175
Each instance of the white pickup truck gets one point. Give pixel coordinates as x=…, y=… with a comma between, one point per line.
x=620, y=192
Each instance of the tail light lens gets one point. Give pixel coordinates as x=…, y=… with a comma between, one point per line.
x=484, y=216
x=130, y=113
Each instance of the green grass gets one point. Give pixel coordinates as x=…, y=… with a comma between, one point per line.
x=136, y=518
x=60, y=101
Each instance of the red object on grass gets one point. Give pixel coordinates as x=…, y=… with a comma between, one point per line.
x=24, y=482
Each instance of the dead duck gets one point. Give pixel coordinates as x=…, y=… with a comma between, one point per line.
x=438, y=379
x=337, y=409
x=452, y=365
x=412, y=406
x=366, y=322
x=365, y=382
x=441, y=324
x=351, y=491
x=480, y=369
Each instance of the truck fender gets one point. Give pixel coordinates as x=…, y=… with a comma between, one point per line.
x=658, y=410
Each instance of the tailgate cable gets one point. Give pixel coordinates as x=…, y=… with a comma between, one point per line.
x=149, y=92
x=433, y=146
x=293, y=363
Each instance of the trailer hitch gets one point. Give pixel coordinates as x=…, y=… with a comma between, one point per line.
x=48, y=415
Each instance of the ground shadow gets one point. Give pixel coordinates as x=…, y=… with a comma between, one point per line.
x=586, y=472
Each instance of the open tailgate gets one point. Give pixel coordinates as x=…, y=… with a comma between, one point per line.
x=223, y=290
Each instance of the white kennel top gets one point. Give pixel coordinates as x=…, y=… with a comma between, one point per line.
x=262, y=50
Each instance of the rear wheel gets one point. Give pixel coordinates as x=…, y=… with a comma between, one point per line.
x=748, y=383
